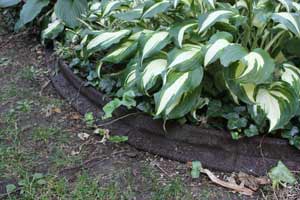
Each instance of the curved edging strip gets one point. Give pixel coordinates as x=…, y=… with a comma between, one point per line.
x=215, y=149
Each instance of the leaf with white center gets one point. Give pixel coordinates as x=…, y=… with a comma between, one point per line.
x=8, y=3
x=176, y=86
x=152, y=43
x=53, y=30
x=209, y=19
x=232, y=53
x=291, y=75
x=210, y=3
x=288, y=4
x=175, y=3
x=280, y=103
x=296, y=6
x=156, y=8
x=256, y=67
x=110, y=6
x=178, y=31
x=186, y=59
x=121, y=53
x=106, y=39
x=214, y=51
x=152, y=71
x=291, y=21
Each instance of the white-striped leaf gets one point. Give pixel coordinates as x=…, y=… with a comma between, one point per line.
x=110, y=6
x=152, y=43
x=130, y=15
x=178, y=31
x=121, y=53
x=256, y=67
x=178, y=84
x=288, y=4
x=152, y=71
x=280, y=103
x=156, y=8
x=209, y=19
x=232, y=53
x=53, y=30
x=210, y=3
x=296, y=6
x=186, y=59
x=214, y=51
x=175, y=3
x=291, y=75
x=291, y=21
x=106, y=39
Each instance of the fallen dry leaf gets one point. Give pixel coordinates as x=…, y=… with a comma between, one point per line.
x=252, y=182
x=74, y=116
x=83, y=136
x=56, y=110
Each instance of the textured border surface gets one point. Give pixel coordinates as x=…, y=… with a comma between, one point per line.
x=215, y=149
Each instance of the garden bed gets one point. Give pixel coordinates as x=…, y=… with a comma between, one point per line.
x=215, y=149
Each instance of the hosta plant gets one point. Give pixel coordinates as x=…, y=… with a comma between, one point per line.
x=195, y=60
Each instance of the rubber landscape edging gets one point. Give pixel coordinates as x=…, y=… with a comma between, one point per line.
x=215, y=149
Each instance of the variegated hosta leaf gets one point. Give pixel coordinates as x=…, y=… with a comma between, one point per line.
x=106, y=39
x=291, y=75
x=152, y=71
x=156, y=8
x=186, y=59
x=296, y=6
x=210, y=2
x=232, y=53
x=214, y=51
x=130, y=15
x=209, y=19
x=110, y=6
x=177, y=85
x=291, y=21
x=175, y=3
x=122, y=53
x=256, y=67
x=152, y=43
x=288, y=4
x=178, y=31
x=53, y=30
x=280, y=103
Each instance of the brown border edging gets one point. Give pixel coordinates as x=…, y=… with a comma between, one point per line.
x=215, y=149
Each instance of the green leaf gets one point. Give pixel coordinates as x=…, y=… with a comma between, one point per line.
x=70, y=10
x=251, y=131
x=176, y=86
x=214, y=51
x=127, y=100
x=281, y=175
x=177, y=32
x=118, y=139
x=288, y=4
x=280, y=103
x=209, y=19
x=237, y=123
x=106, y=39
x=8, y=3
x=156, y=8
x=186, y=59
x=30, y=10
x=196, y=169
x=232, y=53
x=53, y=30
x=152, y=71
x=152, y=43
x=291, y=21
x=122, y=53
x=10, y=188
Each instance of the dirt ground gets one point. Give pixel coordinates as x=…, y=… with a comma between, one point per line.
x=42, y=155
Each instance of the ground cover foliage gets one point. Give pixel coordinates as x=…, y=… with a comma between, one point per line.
x=229, y=65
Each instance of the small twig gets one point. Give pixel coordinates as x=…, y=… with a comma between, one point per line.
x=117, y=119
x=44, y=86
x=161, y=169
